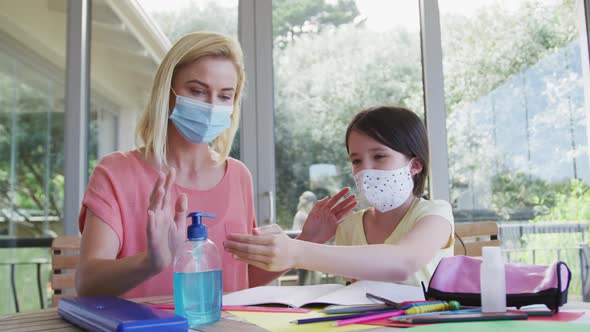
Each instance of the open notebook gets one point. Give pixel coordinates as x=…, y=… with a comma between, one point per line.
x=298, y=296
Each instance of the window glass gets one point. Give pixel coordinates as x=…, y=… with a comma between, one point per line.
x=205, y=15
x=517, y=124
x=32, y=62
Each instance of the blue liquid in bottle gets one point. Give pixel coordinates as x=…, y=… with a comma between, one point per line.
x=198, y=286
x=197, y=296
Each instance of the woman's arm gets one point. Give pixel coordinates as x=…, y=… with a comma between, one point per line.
x=100, y=272
x=259, y=277
x=383, y=262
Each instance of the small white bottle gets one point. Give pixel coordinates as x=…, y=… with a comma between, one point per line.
x=492, y=281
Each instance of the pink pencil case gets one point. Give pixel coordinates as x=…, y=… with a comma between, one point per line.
x=458, y=278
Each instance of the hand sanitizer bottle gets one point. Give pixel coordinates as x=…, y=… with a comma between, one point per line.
x=197, y=276
x=493, y=281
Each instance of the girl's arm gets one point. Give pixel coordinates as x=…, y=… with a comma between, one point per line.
x=383, y=262
x=257, y=276
x=320, y=226
x=260, y=277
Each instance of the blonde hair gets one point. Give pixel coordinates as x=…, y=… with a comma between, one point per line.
x=152, y=129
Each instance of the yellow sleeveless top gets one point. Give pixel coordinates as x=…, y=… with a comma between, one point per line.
x=351, y=232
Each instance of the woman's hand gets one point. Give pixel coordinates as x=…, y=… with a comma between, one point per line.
x=269, y=249
x=166, y=225
x=323, y=219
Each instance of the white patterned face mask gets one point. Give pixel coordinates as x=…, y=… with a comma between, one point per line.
x=385, y=189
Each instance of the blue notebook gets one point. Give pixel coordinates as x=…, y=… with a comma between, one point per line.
x=109, y=313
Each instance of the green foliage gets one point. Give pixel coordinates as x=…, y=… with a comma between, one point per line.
x=195, y=16
x=294, y=18
x=38, y=135
x=563, y=201
x=290, y=18
x=33, y=152
x=483, y=51
x=513, y=191
x=570, y=201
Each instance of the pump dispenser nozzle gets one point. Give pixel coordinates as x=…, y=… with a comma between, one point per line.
x=198, y=231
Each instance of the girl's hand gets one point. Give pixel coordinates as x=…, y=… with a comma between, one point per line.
x=269, y=249
x=323, y=219
x=166, y=225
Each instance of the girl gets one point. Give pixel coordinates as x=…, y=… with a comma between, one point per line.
x=400, y=238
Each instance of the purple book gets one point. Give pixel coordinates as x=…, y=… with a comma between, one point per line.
x=109, y=313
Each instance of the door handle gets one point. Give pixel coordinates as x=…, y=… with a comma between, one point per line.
x=272, y=207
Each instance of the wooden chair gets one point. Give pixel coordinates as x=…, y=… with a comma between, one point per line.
x=64, y=262
x=475, y=236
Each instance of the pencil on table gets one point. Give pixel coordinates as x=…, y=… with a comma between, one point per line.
x=364, y=319
x=462, y=311
x=333, y=318
x=452, y=305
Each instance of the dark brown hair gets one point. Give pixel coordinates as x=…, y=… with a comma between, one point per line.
x=399, y=129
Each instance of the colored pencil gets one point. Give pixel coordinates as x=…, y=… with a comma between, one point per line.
x=470, y=317
x=451, y=305
x=331, y=318
x=368, y=318
x=419, y=304
x=463, y=311
x=361, y=308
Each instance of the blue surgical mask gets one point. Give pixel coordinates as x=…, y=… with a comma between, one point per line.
x=198, y=121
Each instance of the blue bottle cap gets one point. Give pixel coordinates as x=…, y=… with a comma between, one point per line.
x=198, y=231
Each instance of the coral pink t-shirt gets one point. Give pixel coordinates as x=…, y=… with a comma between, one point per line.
x=118, y=193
